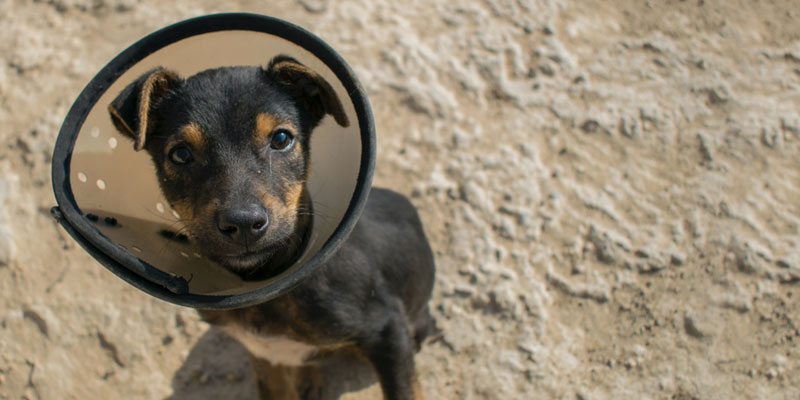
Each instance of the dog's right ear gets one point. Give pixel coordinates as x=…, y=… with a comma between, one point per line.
x=130, y=111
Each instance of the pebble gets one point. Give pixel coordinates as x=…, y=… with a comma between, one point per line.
x=697, y=326
x=739, y=302
x=744, y=258
x=314, y=6
x=771, y=136
x=649, y=267
x=8, y=247
x=598, y=292
x=604, y=249
x=507, y=229
x=706, y=151
x=677, y=259
x=509, y=359
x=788, y=262
x=590, y=126
x=476, y=196
x=630, y=127
x=463, y=289
x=437, y=180
x=40, y=318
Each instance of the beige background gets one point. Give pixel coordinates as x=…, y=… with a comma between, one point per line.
x=610, y=188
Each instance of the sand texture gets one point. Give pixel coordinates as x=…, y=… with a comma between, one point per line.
x=612, y=191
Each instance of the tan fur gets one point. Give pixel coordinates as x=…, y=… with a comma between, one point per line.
x=192, y=135
x=265, y=124
x=155, y=85
x=332, y=103
x=115, y=115
x=184, y=209
x=293, y=194
x=272, y=204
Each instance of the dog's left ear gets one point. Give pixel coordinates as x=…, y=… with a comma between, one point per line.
x=130, y=110
x=309, y=87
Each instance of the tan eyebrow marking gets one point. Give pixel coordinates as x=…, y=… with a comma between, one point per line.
x=265, y=123
x=193, y=135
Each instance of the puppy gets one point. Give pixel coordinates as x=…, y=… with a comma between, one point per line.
x=231, y=149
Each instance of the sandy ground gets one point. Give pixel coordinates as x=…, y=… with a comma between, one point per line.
x=611, y=189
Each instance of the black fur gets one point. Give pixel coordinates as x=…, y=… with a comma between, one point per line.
x=371, y=295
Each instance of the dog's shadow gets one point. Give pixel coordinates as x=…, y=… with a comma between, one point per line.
x=218, y=367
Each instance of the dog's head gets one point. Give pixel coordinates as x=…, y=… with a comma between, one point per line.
x=231, y=149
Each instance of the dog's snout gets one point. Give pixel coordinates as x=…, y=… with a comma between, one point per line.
x=243, y=224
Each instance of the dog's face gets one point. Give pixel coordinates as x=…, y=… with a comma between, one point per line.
x=231, y=149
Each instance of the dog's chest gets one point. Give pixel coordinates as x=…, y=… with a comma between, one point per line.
x=276, y=349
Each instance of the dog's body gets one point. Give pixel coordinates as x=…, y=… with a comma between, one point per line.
x=231, y=149
x=371, y=295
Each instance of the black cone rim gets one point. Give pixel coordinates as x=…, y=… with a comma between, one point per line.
x=147, y=277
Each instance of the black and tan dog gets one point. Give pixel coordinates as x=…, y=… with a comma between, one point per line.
x=231, y=147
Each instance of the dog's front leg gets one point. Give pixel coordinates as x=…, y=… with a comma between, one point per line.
x=391, y=352
x=275, y=382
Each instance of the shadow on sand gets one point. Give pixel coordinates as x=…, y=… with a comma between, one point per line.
x=218, y=367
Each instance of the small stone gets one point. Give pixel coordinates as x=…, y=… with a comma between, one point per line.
x=706, y=151
x=779, y=361
x=771, y=136
x=590, y=126
x=509, y=359
x=528, y=345
x=638, y=351
x=739, y=302
x=642, y=253
x=578, y=269
x=630, y=127
x=677, y=259
x=507, y=229
x=695, y=326
x=743, y=257
x=314, y=6
x=462, y=332
x=598, y=292
x=604, y=249
x=771, y=373
x=472, y=193
x=506, y=273
x=547, y=69
x=717, y=96
x=649, y=267
x=8, y=249
x=437, y=180
x=36, y=317
x=788, y=277
x=463, y=289
x=788, y=262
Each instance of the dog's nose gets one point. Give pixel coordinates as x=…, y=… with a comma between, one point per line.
x=243, y=224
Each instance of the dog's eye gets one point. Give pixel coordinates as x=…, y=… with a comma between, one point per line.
x=281, y=139
x=180, y=155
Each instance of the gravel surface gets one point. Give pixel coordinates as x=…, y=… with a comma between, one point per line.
x=611, y=189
